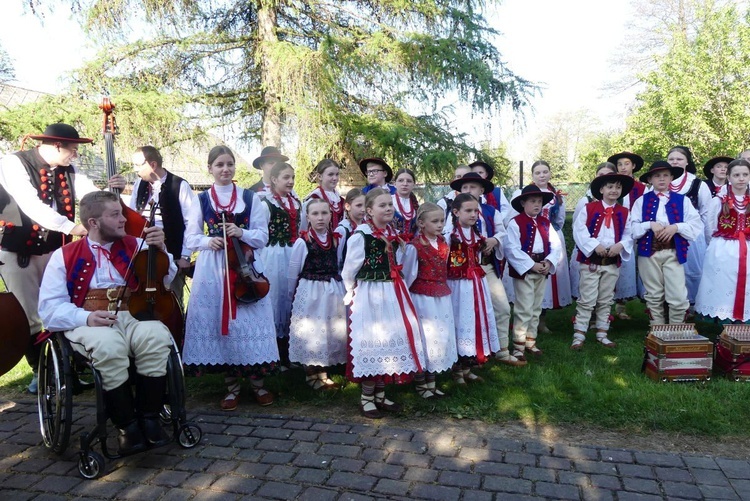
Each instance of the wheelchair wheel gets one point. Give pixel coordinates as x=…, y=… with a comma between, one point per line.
x=55, y=396
x=190, y=435
x=90, y=465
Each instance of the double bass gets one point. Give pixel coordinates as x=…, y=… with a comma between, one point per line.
x=150, y=300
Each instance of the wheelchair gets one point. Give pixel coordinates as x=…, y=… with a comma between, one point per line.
x=59, y=381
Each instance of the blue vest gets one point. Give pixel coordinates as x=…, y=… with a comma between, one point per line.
x=488, y=219
x=674, y=210
x=213, y=219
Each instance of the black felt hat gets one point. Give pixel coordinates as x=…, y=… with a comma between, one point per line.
x=660, y=165
x=376, y=160
x=490, y=170
x=472, y=177
x=269, y=153
x=61, y=132
x=626, y=182
x=712, y=162
x=636, y=159
x=530, y=191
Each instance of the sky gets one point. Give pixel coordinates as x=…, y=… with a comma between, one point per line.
x=567, y=47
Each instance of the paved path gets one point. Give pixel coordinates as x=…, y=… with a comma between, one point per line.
x=277, y=457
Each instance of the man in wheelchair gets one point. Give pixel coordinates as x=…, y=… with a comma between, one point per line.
x=78, y=296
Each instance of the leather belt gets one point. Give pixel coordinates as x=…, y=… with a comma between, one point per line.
x=104, y=299
x=604, y=260
x=657, y=245
x=537, y=257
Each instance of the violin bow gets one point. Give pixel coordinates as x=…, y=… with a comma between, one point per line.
x=226, y=257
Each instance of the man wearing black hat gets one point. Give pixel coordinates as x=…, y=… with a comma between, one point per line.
x=174, y=198
x=269, y=156
x=38, y=190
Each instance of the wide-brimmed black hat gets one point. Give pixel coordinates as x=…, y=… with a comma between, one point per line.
x=472, y=177
x=712, y=162
x=660, y=165
x=375, y=160
x=269, y=153
x=690, y=167
x=626, y=182
x=61, y=132
x=490, y=170
x=636, y=159
x=529, y=191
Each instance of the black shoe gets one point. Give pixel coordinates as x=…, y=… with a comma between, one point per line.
x=153, y=431
x=130, y=439
x=150, y=397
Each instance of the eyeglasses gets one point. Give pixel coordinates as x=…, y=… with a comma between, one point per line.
x=373, y=171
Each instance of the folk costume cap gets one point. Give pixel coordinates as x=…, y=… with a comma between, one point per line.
x=530, y=191
x=660, y=165
x=269, y=153
x=712, y=162
x=472, y=177
x=375, y=160
x=626, y=182
x=690, y=167
x=61, y=132
x=636, y=159
x=490, y=170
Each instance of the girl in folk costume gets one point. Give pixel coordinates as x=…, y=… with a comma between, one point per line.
x=355, y=213
x=283, y=231
x=603, y=240
x=532, y=248
x=384, y=339
x=476, y=331
x=629, y=284
x=426, y=274
x=715, y=171
x=222, y=334
x=724, y=291
x=405, y=202
x=557, y=292
x=663, y=223
x=602, y=169
x=699, y=195
x=317, y=334
x=326, y=173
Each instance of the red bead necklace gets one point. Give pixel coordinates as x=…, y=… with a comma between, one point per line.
x=229, y=208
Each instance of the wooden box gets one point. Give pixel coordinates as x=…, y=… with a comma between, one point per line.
x=677, y=353
x=732, y=352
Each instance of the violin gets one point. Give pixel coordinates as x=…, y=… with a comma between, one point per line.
x=151, y=300
x=249, y=285
x=135, y=223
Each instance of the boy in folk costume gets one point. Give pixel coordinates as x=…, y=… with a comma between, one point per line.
x=603, y=240
x=378, y=174
x=662, y=223
x=532, y=248
x=628, y=286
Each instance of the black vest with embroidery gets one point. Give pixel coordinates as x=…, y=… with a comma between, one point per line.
x=692, y=193
x=279, y=226
x=171, y=211
x=19, y=233
x=321, y=264
x=212, y=219
x=376, y=266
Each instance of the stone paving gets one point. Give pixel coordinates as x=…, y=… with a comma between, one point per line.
x=250, y=456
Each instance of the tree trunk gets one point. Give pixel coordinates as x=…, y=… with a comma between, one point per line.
x=271, y=128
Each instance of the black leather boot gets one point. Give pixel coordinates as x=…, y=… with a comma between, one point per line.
x=120, y=409
x=150, y=396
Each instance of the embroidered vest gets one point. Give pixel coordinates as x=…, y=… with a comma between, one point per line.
x=674, y=210
x=637, y=192
x=595, y=219
x=18, y=233
x=321, y=264
x=401, y=225
x=730, y=225
x=488, y=219
x=432, y=274
x=80, y=265
x=212, y=219
x=528, y=232
x=464, y=258
x=280, y=226
x=376, y=267
x=171, y=211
